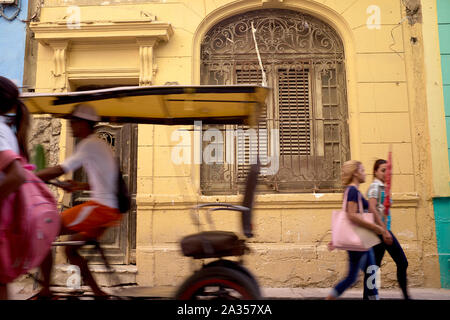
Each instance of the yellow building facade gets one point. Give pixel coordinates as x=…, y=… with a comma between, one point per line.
x=385, y=99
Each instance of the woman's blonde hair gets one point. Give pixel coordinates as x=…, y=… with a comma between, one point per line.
x=348, y=170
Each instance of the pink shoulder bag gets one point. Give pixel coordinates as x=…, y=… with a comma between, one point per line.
x=346, y=235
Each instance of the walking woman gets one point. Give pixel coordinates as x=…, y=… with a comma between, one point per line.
x=12, y=174
x=376, y=195
x=352, y=175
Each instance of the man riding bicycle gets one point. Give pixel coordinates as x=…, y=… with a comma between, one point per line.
x=89, y=220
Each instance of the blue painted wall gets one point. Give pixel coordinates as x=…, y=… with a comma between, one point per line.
x=442, y=205
x=442, y=218
x=12, y=43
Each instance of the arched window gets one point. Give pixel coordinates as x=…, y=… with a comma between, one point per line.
x=303, y=60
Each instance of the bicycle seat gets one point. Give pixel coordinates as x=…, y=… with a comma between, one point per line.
x=213, y=244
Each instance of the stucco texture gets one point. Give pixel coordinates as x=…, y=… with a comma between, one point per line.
x=387, y=104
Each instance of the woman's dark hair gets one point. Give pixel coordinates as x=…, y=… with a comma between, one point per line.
x=377, y=164
x=9, y=98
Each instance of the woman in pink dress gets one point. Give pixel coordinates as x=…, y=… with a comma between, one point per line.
x=14, y=122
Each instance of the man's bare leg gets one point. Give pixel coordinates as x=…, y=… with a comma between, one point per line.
x=76, y=259
x=46, y=268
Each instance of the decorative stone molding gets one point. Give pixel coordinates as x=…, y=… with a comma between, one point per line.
x=146, y=33
x=265, y=201
x=269, y=3
x=47, y=31
x=102, y=73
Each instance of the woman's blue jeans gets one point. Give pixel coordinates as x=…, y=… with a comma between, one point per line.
x=359, y=260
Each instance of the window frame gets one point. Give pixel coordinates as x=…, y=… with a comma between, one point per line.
x=317, y=65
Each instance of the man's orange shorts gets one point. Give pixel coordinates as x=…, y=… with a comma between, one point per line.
x=90, y=218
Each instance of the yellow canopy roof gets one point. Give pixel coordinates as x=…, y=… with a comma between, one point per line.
x=158, y=104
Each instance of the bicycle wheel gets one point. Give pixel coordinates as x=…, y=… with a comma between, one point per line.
x=218, y=283
x=238, y=267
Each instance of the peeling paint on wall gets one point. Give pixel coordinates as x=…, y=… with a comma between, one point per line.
x=413, y=11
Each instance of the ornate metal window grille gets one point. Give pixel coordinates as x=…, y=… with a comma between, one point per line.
x=303, y=59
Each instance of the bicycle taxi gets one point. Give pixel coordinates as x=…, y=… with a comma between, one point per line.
x=223, y=278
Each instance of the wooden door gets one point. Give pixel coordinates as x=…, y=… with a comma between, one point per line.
x=119, y=242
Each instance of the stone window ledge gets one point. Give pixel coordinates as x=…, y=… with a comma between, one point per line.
x=264, y=201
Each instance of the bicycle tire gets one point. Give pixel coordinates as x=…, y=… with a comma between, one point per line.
x=238, y=267
x=232, y=284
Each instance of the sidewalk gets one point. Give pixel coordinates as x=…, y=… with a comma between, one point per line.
x=20, y=292
x=354, y=294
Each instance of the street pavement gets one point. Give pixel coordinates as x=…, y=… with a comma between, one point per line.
x=354, y=294
x=19, y=291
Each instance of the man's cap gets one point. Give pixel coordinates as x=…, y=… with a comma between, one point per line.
x=86, y=112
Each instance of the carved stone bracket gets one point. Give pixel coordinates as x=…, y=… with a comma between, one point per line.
x=147, y=66
x=59, y=63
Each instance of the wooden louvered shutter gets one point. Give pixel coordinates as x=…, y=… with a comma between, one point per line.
x=332, y=121
x=294, y=112
x=244, y=151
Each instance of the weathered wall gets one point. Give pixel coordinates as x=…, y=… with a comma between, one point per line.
x=437, y=18
x=46, y=131
x=387, y=103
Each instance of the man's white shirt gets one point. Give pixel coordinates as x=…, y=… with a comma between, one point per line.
x=97, y=159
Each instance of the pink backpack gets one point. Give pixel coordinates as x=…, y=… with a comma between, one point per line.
x=29, y=223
